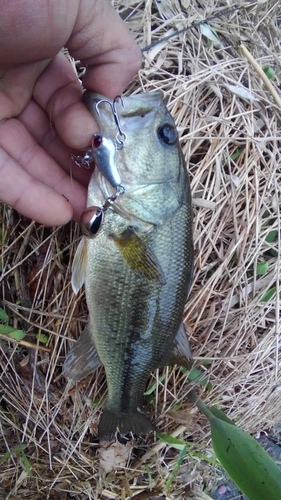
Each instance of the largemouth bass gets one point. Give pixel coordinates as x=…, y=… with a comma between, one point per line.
x=137, y=261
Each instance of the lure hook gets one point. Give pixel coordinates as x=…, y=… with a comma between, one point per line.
x=120, y=137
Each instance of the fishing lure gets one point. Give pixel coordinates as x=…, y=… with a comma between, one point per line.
x=103, y=152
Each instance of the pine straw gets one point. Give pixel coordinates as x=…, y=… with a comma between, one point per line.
x=236, y=207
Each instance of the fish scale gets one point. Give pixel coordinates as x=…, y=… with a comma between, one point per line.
x=138, y=267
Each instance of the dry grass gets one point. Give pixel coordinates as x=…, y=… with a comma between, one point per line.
x=236, y=206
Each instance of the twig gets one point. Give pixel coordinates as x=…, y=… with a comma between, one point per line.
x=194, y=25
x=25, y=343
x=261, y=73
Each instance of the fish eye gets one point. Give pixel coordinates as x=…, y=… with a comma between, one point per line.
x=168, y=134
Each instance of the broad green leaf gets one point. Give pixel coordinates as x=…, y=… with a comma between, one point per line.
x=150, y=399
x=177, y=407
x=12, y=332
x=149, y=475
x=26, y=463
x=43, y=338
x=3, y=315
x=176, y=468
x=219, y=414
x=153, y=387
x=262, y=267
x=174, y=442
x=265, y=214
x=270, y=73
x=196, y=374
x=12, y=452
x=271, y=236
x=236, y=155
x=206, y=362
x=269, y=294
x=250, y=467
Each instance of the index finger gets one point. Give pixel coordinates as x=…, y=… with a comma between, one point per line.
x=101, y=40
x=109, y=49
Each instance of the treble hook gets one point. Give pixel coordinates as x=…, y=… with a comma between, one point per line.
x=120, y=141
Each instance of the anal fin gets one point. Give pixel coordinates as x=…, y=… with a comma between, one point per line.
x=82, y=359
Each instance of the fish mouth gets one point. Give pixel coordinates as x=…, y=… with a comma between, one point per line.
x=137, y=105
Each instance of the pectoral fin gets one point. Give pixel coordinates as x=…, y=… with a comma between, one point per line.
x=139, y=257
x=82, y=359
x=179, y=352
x=79, y=266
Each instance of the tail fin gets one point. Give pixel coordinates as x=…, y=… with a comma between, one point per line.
x=123, y=423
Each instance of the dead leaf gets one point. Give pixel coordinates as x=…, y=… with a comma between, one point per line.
x=114, y=455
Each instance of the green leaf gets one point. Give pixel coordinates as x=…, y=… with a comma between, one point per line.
x=150, y=399
x=12, y=452
x=43, y=338
x=26, y=463
x=153, y=387
x=269, y=294
x=149, y=475
x=3, y=315
x=262, y=267
x=176, y=468
x=271, y=236
x=14, y=333
x=219, y=414
x=269, y=71
x=177, y=407
x=236, y=155
x=250, y=467
x=196, y=375
x=174, y=442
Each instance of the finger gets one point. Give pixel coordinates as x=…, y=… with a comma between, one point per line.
x=20, y=150
x=108, y=48
x=29, y=196
x=59, y=92
x=16, y=86
x=35, y=30
x=101, y=39
x=37, y=122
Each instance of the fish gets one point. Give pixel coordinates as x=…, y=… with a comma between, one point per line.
x=135, y=258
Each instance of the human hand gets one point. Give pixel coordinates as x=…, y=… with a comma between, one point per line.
x=42, y=117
